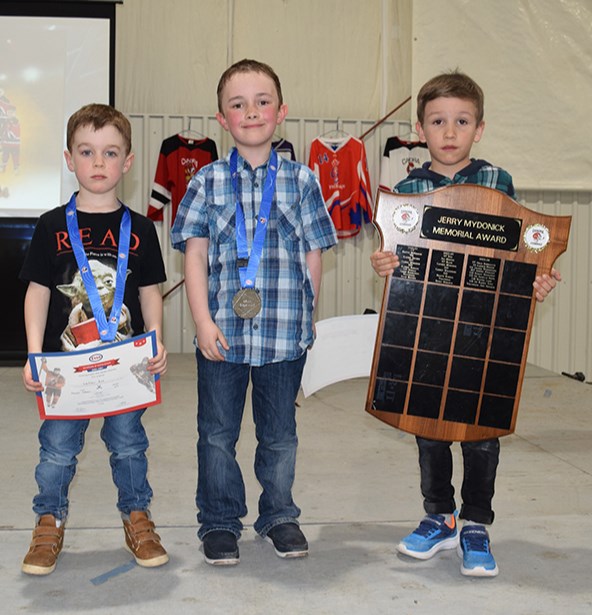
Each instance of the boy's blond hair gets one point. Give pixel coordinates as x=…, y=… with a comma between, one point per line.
x=98, y=116
x=248, y=66
x=450, y=85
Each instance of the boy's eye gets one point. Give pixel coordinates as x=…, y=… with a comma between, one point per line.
x=236, y=105
x=463, y=122
x=85, y=152
x=111, y=154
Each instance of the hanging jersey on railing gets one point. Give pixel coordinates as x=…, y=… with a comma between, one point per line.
x=284, y=148
x=341, y=167
x=179, y=159
x=399, y=158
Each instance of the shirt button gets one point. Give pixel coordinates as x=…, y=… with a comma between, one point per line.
x=256, y=184
x=255, y=326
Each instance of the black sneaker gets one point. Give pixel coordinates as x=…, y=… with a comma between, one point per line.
x=288, y=540
x=220, y=548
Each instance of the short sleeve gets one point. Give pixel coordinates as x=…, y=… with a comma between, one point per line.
x=37, y=264
x=191, y=219
x=319, y=230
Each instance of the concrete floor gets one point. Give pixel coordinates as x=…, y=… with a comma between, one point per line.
x=357, y=485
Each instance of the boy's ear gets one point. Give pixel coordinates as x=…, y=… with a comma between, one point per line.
x=419, y=131
x=282, y=112
x=479, y=132
x=68, y=157
x=222, y=120
x=128, y=162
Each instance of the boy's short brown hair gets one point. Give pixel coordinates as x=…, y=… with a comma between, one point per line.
x=98, y=116
x=248, y=66
x=450, y=85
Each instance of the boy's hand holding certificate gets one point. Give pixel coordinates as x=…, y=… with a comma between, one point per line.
x=103, y=380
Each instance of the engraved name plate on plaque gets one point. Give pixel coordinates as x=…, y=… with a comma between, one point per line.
x=456, y=316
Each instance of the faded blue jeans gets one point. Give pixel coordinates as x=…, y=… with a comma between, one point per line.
x=222, y=390
x=62, y=441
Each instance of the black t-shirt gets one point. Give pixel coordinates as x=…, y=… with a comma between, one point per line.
x=50, y=262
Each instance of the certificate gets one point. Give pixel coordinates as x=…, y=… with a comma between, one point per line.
x=104, y=380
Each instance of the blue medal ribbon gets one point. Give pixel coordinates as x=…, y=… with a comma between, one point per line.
x=107, y=329
x=248, y=273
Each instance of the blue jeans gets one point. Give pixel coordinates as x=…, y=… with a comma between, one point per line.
x=222, y=389
x=61, y=443
x=480, y=461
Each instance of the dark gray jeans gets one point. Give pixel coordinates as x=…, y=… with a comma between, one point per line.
x=478, y=486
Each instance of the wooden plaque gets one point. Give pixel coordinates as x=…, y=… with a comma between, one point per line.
x=457, y=314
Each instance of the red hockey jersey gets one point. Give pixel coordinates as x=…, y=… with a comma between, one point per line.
x=178, y=161
x=342, y=170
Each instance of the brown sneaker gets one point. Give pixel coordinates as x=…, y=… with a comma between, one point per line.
x=45, y=547
x=143, y=541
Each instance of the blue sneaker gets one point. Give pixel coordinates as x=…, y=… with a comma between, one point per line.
x=477, y=559
x=432, y=535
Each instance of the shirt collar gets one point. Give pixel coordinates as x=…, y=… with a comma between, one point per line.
x=424, y=172
x=243, y=165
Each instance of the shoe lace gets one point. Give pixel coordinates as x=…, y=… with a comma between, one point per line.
x=427, y=526
x=476, y=540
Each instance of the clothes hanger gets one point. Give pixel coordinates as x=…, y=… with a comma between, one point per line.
x=189, y=132
x=409, y=135
x=277, y=140
x=336, y=134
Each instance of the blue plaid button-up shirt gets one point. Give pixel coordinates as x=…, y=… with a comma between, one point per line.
x=298, y=223
x=477, y=172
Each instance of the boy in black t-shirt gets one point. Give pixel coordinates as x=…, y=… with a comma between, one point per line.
x=59, y=316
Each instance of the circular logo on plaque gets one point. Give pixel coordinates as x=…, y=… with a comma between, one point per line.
x=405, y=218
x=536, y=237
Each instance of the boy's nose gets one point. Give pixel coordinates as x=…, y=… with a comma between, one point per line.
x=252, y=112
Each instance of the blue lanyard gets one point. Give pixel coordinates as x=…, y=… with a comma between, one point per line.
x=249, y=272
x=107, y=330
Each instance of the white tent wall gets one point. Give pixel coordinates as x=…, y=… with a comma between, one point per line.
x=347, y=59
x=533, y=59
x=334, y=57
